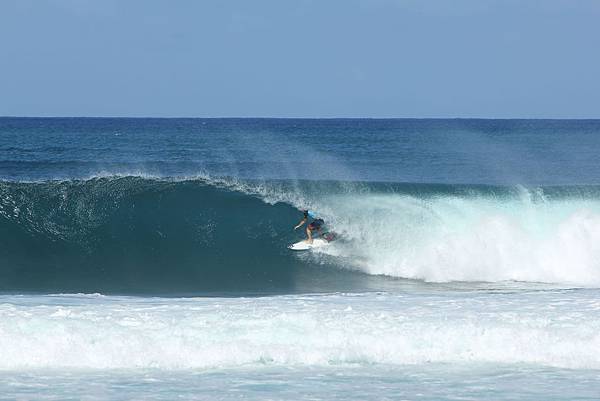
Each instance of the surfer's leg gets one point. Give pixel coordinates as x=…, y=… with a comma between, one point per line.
x=309, y=235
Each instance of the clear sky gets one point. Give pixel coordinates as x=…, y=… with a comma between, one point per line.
x=279, y=58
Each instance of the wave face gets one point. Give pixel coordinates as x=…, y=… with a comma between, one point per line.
x=135, y=234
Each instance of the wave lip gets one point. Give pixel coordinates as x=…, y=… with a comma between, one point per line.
x=547, y=329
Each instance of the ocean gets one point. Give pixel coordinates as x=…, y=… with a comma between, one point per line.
x=147, y=259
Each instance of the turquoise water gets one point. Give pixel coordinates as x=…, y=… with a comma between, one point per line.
x=147, y=259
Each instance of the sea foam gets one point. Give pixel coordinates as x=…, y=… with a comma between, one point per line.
x=448, y=237
x=547, y=328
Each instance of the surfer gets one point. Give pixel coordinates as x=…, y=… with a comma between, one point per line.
x=315, y=225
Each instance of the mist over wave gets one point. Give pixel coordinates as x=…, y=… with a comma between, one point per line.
x=143, y=234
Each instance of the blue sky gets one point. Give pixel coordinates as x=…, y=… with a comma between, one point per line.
x=347, y=58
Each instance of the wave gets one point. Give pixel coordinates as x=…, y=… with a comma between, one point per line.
x=549, y=329
x=133, y=234
x=201, y=234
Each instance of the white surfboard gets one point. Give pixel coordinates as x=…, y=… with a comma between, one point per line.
x=305, y=246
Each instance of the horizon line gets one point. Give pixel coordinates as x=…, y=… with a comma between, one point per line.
x=300, y=118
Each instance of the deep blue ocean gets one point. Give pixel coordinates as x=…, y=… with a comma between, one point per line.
x=149, y=257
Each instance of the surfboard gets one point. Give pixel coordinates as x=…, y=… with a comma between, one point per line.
x=305, y=246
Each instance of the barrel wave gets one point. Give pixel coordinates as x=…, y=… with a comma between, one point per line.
x=137, y=234
x=130, y=234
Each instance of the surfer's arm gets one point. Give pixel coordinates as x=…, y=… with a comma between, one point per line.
x=300, y=224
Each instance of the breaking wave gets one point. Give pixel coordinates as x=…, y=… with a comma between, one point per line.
x=143, y=234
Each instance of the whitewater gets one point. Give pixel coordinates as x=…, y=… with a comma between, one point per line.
x=95, y=331
x=345, y=345
x=147, y=259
